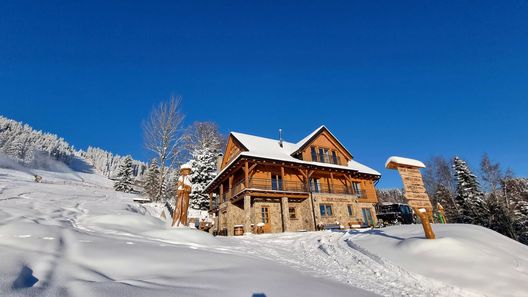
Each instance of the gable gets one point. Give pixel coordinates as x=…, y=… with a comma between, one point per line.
x=233, y=149
x=325, y=139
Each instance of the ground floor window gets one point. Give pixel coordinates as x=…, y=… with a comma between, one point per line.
x=367, y=216
x=264, y=213
x=326, y=210
x=350, y=210
x=293, y=213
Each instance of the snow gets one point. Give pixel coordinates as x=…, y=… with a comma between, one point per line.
x=466, y=256
x=186, y=166
x=72, y=235
x=404, y=161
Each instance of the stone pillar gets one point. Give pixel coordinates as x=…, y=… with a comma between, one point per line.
x=247, y=215
x=230, y=225
x=285, y=214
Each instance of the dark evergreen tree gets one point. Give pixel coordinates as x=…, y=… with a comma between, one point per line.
x=471, y=206
x=124, y=182
x=152, y=183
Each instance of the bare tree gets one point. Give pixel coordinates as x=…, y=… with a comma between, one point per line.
x=163, y=135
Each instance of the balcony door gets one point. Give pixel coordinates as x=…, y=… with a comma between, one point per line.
x=276, y=182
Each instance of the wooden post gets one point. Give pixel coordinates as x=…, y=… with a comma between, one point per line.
x=331, y=182
x=282, y=177
x=428, y=230
x=246, y=174
x=210, y=200
x=222, y=193
x=231, y=186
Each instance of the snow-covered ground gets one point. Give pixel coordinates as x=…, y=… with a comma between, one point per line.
x=74, y=236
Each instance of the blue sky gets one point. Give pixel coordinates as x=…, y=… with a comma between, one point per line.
x=409, y=78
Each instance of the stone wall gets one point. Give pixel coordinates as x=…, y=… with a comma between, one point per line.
x=340, y=213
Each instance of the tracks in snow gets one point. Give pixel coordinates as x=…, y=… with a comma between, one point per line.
x=335, y=256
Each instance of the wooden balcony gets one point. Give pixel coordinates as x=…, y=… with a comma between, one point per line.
x=285, y=187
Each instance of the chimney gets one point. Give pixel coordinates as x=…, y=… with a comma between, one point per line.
x=219, y=162
x=280, y=137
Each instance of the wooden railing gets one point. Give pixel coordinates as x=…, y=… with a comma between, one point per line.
x=290, y=186
x=329, y=159
x=337, y=189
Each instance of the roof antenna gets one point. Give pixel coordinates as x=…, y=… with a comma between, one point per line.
x=280, y=137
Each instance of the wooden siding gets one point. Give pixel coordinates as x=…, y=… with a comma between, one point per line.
x=326, y=140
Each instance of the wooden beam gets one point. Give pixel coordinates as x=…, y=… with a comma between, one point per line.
x=221, y=193
x=303, y=173
x=331, y=181
x=252, y=168
x=246, y=174
x=231, y=177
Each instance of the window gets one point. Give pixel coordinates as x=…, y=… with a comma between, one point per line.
x=350, y=210
x=314, y=154
x=276, y=182
x=293, y=213
x=334, y=157
x=264, y=215
x=356, y=187
x=326, y=210
x=315, y=185
x=324, y=155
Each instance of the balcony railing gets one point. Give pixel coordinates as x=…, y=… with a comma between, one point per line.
x=337, y=189
x=290, y=186
x=271, y=185
x=329, y=159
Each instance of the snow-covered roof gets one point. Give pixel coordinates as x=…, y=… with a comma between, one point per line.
x=261, y=147
x=403, y=161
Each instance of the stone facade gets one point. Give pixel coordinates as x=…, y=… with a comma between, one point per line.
x=292, y=215
x=340, y=213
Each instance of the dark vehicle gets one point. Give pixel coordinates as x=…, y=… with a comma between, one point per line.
x=394, y=213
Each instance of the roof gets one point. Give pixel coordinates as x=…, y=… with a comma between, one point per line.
x=394, y=160
x=267, y=148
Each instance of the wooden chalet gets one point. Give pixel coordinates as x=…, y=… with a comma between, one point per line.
x=267, y=185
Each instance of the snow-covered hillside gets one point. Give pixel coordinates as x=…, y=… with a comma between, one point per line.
x=74, y=236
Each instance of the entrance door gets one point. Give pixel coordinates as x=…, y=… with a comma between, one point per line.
x=265, y=219
x=367, y=216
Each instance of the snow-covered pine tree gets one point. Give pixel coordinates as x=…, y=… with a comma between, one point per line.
x=204, y=149
x=516, y=193
x=124, y=177
x=152, y=183
x=471, y=206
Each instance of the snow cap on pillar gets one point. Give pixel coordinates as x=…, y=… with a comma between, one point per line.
x=394, y=161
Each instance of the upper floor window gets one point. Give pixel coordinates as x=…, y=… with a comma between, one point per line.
x=276, y=182
x=356, y=186
x=324, y=155
x=314, y=153
x=315, y=185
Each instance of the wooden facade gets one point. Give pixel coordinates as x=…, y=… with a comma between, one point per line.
x=267, y=185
